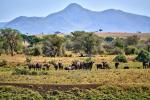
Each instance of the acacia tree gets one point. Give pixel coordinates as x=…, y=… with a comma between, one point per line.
x=53, y=45
x=132, y=40
x=86, y=41
x=77, y=38
x=11, y=39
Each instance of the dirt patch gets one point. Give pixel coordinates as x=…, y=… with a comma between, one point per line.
x=42, y=88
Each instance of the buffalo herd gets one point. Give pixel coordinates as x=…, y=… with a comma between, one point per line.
x=79, y=65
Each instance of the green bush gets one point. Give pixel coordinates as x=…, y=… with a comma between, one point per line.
x=33, y=73
x=43, y=73
x=101, y=93
x=21, y=71
x=120, y=58
x=143, y=56
x=116, y=51
x=109, y=39
x=89, y=59
x=15, y=93
x=131, y=50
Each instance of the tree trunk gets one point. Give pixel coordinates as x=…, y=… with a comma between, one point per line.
x=12, y=53
x=11, y=50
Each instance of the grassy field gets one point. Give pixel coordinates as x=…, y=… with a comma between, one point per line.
x=120, y=76
x=143, y=36
x=111, y=76
x=111, y=92
x=115, y=84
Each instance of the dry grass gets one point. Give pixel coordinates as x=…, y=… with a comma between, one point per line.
x=112, y=76
x=65, y=60
x=143, y=36
x=120, y=76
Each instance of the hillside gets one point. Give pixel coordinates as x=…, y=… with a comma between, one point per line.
x=75, y=17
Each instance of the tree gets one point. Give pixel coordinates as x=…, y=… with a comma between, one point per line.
x=86, y=41
x=132, y=40
x=77, y=38
x=143, y=56
x=120, y=58
x=100, y=30
x=53, y=45
x=109, y=39
x=11, y=39
x=131, y=50
x=119, y=43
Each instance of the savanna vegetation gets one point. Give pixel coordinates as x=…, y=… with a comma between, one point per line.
x=119, y=64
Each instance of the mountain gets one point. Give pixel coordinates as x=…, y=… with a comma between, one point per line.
x=75, y=17
x=2, y=24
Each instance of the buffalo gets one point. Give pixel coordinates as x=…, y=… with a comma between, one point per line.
x=116, y=65
x=99, y=66
x=146, y=64
x=88, y=65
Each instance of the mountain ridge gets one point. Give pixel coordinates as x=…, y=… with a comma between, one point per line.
x=75, y=17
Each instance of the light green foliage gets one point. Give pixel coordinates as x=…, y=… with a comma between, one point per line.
x=131, y=50
x=23, y=71
x=120, y=58
x=53, y=45
x=86, y=41
x=11, y=39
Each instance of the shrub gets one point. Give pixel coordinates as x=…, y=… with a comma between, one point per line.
x=33, y=73
x=36, y=51
x=131, y=50
x=143, y=56
x=43, y=73
x=109, y=39
x=116, y=51
x=88, y=59
x=15, y=93
x=21, y=71
x=120, y=58
x=3, y=62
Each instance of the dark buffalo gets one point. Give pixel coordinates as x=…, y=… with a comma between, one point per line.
x=30, y=66
x=55, y=66
x=145, y=65
x=60, y=65
x=99, y=66
x=70, y=68
x=38, y=66
x=126, y=67
x=116, y=65
x=105, y=65
x=78, y=65
x=47, y=66
x=88, y=65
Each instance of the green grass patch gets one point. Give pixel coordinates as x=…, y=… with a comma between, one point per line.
x=14, y=93
x=102, y=93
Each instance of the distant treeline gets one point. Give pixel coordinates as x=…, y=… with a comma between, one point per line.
x=84, y=43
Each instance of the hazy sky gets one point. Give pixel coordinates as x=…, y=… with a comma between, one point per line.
x=10, y=9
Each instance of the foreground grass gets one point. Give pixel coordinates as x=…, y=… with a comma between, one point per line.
x=112, y=76
x=106, y=92
x=102, y=93
x=14, y=93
